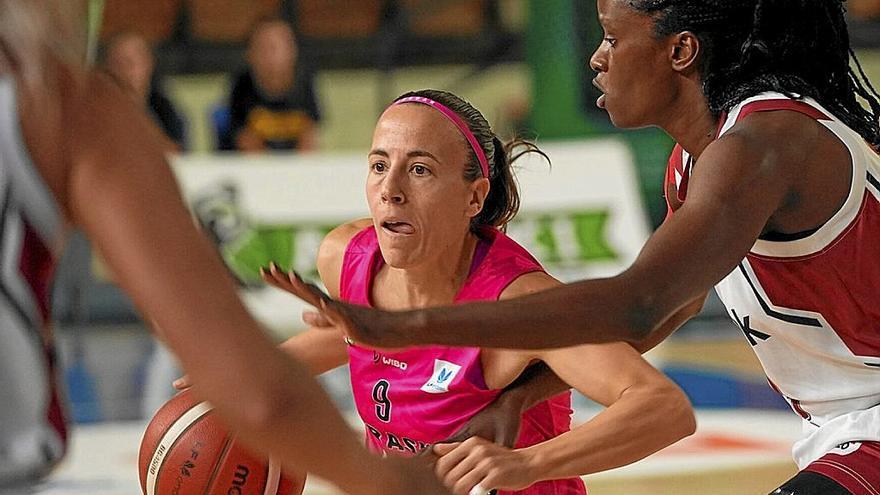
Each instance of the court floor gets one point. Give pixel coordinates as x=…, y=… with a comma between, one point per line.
x=734, y=451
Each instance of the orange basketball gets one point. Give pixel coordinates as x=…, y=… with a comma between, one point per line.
x=186, y=451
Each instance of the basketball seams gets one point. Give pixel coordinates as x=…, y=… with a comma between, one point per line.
x=224, y=453
x=273, y=477
x=169, y=439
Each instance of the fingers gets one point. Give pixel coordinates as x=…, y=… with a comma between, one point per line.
x=315, y=319
x=309, y=293
x=330, y=313
x=442, y=449
x=291, y=282
x=181, y=383
x=457, y=463
x=274, y=276
x=477, y=465
x=474, y=481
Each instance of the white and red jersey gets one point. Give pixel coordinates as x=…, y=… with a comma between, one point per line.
x=33, y=431
x=809, y=305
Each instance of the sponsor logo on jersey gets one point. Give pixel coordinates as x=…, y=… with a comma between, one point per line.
x=444, y=373
x=387, y=361
x=845, y=448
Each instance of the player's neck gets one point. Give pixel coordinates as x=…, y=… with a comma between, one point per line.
x=691, y=124
x=433, y=282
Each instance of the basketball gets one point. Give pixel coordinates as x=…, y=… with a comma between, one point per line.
x=186, y=451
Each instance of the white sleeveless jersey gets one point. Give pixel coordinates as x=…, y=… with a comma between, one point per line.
x=810, y=306
x=33, y=432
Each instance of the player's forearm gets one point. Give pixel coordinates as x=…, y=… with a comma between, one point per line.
x=670, y=325
x=593, y=311
x=637, y=425
x=277, y=408
x=318, y=350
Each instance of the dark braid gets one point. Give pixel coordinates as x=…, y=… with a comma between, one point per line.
x=793, y=47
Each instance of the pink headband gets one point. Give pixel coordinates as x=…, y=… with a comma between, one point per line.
x=455, y=119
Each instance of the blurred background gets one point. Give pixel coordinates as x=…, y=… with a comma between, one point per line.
x=271, y=104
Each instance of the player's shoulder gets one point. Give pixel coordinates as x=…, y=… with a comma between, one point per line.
x=332, y=250
x=336, y=241
x=761, y=145
x=783, y=133
x=529, y=283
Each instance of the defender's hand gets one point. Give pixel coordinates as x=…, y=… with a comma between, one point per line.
x=360, y=324
x=498, y=422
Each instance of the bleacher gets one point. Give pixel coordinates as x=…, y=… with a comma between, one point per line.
x=200, y=36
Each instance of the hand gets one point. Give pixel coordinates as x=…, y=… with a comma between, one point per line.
x=498, y=422
x=411, y=476
x=477, y=461
x=359, y=324
x=182, y=383
x=310, y=293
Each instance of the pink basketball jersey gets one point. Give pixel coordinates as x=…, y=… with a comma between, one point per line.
x=412, y=398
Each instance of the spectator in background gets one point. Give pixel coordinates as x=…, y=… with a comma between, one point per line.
x=272, y=106
x=129, y=59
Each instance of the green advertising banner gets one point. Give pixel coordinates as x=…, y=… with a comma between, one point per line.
x=581, y=217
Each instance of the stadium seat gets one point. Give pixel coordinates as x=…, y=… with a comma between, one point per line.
x=445, y=18
x=154, y=19
x=338, y=19
x=228, y=20
x=221, y=124
x=864, y=9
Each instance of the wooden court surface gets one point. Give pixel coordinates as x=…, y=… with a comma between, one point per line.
x=733, y=452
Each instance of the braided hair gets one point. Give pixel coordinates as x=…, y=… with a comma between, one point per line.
x=794, y=47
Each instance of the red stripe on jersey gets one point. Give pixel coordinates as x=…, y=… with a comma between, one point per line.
x=36, y=266
x=838, y=281
x=858, y=472
x=794, y=403
x=55, y=412
x=773, y=105
x=670, y=191
x=675, y=193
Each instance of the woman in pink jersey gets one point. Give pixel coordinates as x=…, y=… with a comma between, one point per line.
x=774, y=198
x=439, y=188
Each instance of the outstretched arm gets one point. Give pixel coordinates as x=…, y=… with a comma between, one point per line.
x=320, y=349
x=500, y=421
x=735, y=190
x=121, y=192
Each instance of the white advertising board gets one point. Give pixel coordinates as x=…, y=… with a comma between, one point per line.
x=582, y=216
